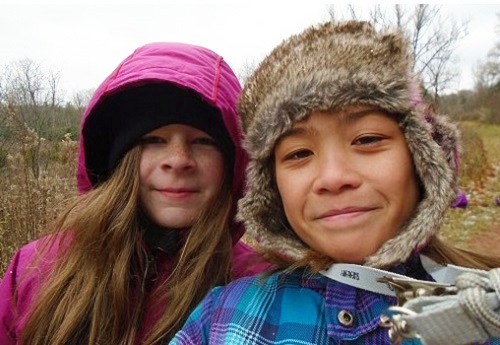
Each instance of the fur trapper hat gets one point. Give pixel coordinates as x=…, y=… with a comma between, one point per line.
x=326, y=68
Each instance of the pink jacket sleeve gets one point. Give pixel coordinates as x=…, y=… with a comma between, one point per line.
x=17, y=286
x=8, y=289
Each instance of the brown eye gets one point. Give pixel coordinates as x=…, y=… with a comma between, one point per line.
x=205, y=141
x=149, y=140
x=296, y=155
x=368, y=140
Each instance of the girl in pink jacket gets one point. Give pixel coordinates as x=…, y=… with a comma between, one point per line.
x=160, y=171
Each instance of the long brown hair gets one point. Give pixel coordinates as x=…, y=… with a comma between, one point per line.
x=446, y=253
x=96, y=290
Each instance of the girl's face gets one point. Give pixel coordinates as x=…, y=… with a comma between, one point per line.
x=346, y=180
x=181, y=171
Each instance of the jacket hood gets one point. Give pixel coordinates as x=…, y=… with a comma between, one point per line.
x=189, y=67
x=325, y=68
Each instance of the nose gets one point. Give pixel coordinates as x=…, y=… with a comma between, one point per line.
x=335, y=173
x=178, y=156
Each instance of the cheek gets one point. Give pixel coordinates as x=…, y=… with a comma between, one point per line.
x=145, y=167
x=406, y=174
x=213, y=168
x=404, y=187
x=413, y=193
x=289, y=193
x=144, y=173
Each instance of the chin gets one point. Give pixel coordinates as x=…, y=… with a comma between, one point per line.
x=174, y=224
x=174, y=220
x=350, y=261
x=349, y=258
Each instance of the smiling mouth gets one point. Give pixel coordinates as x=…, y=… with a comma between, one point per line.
x=349, y=212
x=177, y=193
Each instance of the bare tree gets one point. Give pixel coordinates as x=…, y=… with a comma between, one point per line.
x=25, y=81
x=31, y=115
x=82, y=98
x=34, y=92
x=487, y=87
x=24, y=87
x=246, y=70
x=487, y=73
x=434, y=39
x=53, y=94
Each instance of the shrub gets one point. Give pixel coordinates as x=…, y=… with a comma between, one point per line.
x=37, y=178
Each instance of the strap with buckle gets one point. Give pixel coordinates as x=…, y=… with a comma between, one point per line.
x=407, y=289
x=429, y=311
x=398, y=285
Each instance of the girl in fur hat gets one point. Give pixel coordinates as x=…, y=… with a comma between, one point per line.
x=347, y=166
x=160, y=169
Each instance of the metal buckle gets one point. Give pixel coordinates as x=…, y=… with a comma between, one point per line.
x=407, y=289
x=393, y=318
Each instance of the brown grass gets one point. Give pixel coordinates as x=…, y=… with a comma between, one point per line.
x=38, y=176
x=480, y=179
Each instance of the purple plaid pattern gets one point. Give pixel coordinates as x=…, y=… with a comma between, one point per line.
x=294, y=308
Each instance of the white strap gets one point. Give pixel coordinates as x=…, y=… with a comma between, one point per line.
x=365, y=278
x=362, y=277
x=446, y=274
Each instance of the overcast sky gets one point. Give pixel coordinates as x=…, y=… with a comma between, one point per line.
x=84, y=43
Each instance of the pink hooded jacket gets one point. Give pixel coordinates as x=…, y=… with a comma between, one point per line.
x=185, y=65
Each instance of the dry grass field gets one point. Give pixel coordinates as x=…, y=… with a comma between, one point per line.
x=37, y=176
x=35, y=181
x=470, y=227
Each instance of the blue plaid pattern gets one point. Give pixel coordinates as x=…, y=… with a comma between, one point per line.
x=294, y=308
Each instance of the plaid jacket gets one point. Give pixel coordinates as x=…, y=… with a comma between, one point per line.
x=296, y=308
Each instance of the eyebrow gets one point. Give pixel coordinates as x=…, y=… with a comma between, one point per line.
x=346, y=117
x=353, y=116
x=295, y=131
